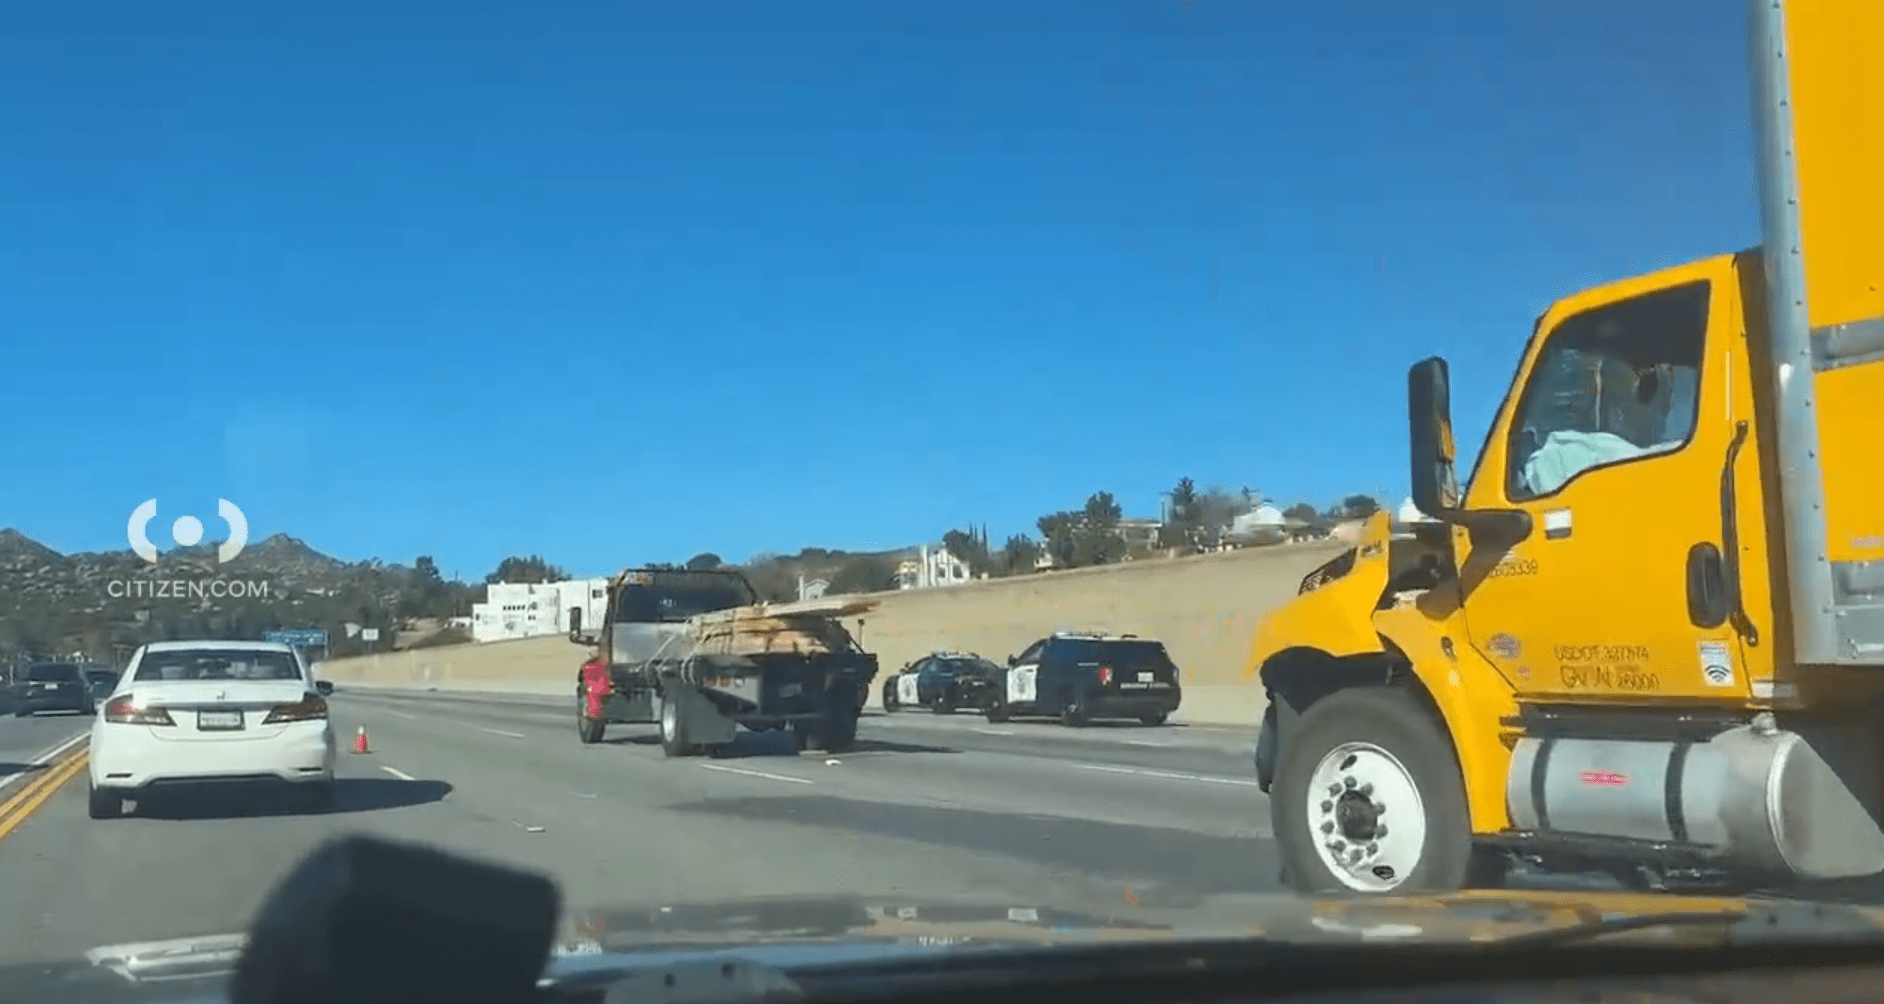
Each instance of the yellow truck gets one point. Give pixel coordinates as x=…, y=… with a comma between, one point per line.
x=1646, y=639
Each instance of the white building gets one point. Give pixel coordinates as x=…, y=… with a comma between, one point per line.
x=932, y=566
x=528, y=609
x=1264, y=524
x=1410, y=513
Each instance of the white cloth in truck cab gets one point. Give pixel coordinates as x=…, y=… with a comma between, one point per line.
x=1565, y=454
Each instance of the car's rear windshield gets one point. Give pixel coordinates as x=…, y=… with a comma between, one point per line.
x=1121, y=653
x=968, y=666
x=49, y=671
x=218, y=664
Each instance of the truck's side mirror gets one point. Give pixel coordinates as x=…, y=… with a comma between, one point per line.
x=324, y=687
x=1429, y=424
x=1435, y=482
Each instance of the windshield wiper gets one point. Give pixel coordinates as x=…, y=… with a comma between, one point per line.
x=1761, y=923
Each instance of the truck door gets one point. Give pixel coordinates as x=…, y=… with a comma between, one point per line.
x=1613, y=439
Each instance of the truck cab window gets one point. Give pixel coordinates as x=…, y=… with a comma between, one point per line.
x=1610, y=385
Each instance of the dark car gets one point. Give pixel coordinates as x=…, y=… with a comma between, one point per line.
x=943, y=682
x=100, y=681
x=1081, y=677
x=55, y=686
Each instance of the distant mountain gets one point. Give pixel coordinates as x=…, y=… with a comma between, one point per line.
x=94, y=602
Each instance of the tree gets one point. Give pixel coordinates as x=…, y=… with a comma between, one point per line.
x=1180, y=528
x=968, y=546
x=1359, y=506
x=1019, y=554
x=864, y=575
x=1302, y=512
x=705, y=561
x=1059, y=533
x=1216, y=509
x=530, y=569
x=1097, y=541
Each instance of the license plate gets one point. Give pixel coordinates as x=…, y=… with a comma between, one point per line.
x=218, y=721
x=1144, y=677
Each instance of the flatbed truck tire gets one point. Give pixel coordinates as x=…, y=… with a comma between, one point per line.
x=836, y=731
x=1386, y=784
x=674, y=731
x=588, y=730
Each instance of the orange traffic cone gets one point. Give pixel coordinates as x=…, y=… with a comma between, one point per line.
x=359, y=741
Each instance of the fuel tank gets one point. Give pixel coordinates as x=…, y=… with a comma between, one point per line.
x=1754, y=796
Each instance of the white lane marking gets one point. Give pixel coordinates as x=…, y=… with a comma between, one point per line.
x=755, y=773
x=1169, y=774
x=401, y=714
x=396, y=772
x=1146, y=742
x=996, y=732
x=51, y=753
x=499, y=732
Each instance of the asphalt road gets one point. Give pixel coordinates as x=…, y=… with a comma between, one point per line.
x=927, y=807
x=25, y=741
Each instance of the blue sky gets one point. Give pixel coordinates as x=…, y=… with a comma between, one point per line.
x=614, y=284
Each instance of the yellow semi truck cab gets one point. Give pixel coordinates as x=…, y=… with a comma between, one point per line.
x=1646, y=636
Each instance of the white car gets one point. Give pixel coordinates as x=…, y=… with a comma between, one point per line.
x=188, y=713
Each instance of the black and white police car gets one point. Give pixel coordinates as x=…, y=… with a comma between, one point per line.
x=943, y=682
x=1078, y=677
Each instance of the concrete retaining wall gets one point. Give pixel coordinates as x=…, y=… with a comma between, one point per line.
x=1204, y=608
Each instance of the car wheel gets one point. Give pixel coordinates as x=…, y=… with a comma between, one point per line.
x=997, y=711
x=1075, y=715
x=103, y=803
x=1368, y=799
x=1154, y=719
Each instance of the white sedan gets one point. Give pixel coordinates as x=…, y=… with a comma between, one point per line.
x=188, y=713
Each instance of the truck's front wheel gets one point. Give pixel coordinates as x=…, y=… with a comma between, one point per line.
x=588, y=730
x=1368, y=800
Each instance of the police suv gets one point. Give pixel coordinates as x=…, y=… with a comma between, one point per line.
x=1078, y=677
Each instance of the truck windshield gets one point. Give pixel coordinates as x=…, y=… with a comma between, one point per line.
x=665, y=597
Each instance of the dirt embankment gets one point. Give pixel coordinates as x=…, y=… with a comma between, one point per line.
x=1204, y=608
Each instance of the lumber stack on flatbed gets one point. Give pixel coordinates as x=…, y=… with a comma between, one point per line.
x=806, y=627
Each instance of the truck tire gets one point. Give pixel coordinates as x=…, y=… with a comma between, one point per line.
x=588, y=730
x=674, y=730
x=1368, y=799
x=836, y=731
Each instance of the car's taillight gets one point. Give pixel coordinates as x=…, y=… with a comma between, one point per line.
x=310, y=708
x=125, y=711
x=1105, y=676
